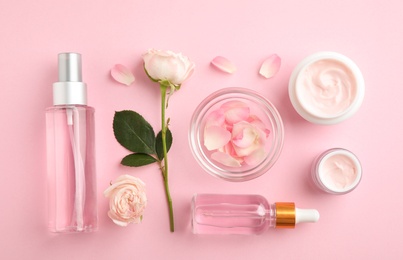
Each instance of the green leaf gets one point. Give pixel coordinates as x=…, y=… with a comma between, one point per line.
x=138, y=159
x=133, y=132
x=158, y=144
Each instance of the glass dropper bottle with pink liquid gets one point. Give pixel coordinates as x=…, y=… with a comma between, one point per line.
x=244, y=214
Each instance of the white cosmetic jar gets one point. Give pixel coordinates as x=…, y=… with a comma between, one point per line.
x=336, y=171
x=326, y=88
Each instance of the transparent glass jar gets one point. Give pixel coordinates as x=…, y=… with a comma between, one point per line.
x=259, y=107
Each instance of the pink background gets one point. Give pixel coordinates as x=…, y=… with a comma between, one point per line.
x=365, y=224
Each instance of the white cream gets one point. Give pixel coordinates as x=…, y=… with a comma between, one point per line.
x=327, y=88
x=338, y=171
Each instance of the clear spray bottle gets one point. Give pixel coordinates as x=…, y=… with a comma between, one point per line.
x=244, y=214
x=72, y=201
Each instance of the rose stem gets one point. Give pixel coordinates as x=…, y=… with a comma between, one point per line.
x=164, y=149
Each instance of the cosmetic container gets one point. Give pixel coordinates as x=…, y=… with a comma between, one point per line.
x=259, y=110
x=244, y=214
x=326, y=88
x=72, y=193
x=336, y=171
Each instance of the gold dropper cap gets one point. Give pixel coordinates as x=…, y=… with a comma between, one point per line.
x=285, y=214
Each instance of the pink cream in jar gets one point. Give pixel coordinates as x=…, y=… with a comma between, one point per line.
x=326, y=88
x=336, y=171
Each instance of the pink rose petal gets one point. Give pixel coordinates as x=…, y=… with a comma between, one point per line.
x=245, y=138
x=236, y=115
x=242, y=152
x=223, y=64
x=215, y=137
x=254, y=120
x=216, y=118
x=225, y=159
x=229, y=149
x=122, y=74
x=255, y=158
x=270, y=66
x=235, y=111
x=233, y=104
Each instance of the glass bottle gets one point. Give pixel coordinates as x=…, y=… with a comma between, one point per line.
x=72, y=201
x=244, y=214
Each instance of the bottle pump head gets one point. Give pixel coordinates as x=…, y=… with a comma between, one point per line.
x=69, y=90
x=70, y=67
x=287, y=215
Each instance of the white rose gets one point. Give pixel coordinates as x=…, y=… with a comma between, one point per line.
x=168, y=66
x=127, y=200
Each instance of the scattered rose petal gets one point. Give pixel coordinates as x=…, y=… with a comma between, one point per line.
x=225, y=159
x=223, y=64
x=216, y=137
x=270, y=66
x=122, y=74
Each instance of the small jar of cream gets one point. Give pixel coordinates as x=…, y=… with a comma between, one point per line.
x=326, y=88
x=336, y=171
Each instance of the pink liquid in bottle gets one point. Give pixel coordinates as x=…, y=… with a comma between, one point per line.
x=72, y=203
x=244, y=214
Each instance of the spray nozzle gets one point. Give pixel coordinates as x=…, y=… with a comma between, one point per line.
x=69, y=90
x=70, y=67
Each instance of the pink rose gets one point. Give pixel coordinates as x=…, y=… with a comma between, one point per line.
x=127, y=200
x=235, y=135
x=167, y=66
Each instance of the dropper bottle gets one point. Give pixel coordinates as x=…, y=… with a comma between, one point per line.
x=71, y=152
x=244, y=214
